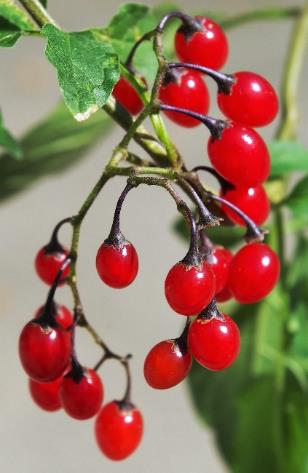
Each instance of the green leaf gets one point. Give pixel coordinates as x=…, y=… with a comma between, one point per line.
x=50, y=147
x=9, y=33
x=8, y=142
x=297, y=202
x=87, y=67
x=287, y=156
x=44, y=3
x=13, y=20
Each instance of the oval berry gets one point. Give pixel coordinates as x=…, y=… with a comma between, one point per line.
x=224, y=295
x=117, y=267
x=254, y=272
x=46, y=395
x=63, y=316
x=189, y=289
x=127, y=96
x=44, y=351
x=252, y=100
x=208, y=47
x=166, y=365
x=214, y=343
x=118, y=430
x=240, y=156
x=48, y=264
x=189, y=91
x=253, y=201
x=219, y=261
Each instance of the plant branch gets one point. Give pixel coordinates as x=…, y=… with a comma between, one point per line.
x=38, y=12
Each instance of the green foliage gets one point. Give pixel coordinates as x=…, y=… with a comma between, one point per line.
x=287, y=156
x=13, y=21
x=8, y=142
x=297, y=202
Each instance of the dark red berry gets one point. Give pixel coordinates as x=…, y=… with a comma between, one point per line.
x=63, y=316
x=46, y=395
x=220, y=260
x=189, y=91
x=82, y=398
x=189, y=289
x=252, y=100
x=118, y=430
x=215, y=342
x=117, y=267
x=254, y=272
x=208, y=47
x=224, y=295
x=253, y=201
x=240, y=156
x=44, y=351
x=127, y=96
x=166, y=365
x=48, y=264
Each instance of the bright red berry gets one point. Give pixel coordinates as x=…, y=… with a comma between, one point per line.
x=240, y=156
x=215, y=342
x=187, y=90
x=220, y=260
x=82, y=398
x=48, y=264
x=127, y=96
x=63, y=316
x=117, y=267
x=189, y=289
x=254, y=272
x=224, y=295
x=207, y=47
x=44, y=351
x=252, y=100
x=253, y=201
x=166, y=365
x=118, y=429
x=46, y=395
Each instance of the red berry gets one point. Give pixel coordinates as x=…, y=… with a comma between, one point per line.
x=63, y=316
x=253, y=201
x=127, y=96
x=252, y=100
x=240, y=156
x=254, y=272
x=166, y=365
x=189, y=289
x=118, y=430
x=46, y=395
x=117, y=267
x=224, y=295
x=220, y=260
x=208, y=48
x=44, y=351
x=189, y=91
x=215, y=342
x=82, y=398
x=48, y=264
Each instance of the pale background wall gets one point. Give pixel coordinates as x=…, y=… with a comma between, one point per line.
x=131, y=320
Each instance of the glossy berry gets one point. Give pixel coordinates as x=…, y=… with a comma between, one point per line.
x=44, y=351
x=253, y=201
x=208, y=47
x=224, y=295
x=252, y=100
x=127, y=96
x=214, y=343
x=46, y=395
x=189, y=91
x=166, y=365
x=254, y=272
x=48, y=264
x=240, y=156
x=82, y=398
x=220, y=260
x=117, y=267
x=189, y=289
x=118, y=430
x=63, y=316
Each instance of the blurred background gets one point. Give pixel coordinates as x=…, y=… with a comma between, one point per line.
x=131, y=320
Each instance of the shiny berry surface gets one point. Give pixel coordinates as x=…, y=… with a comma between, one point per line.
x=82, y=399
x=48, y=264
x=46, y=395
x=125, y=93
x=189, y=289
x=63, y=315
x=252, y=100
x=208, y=47
x=224, y=295
x=240, y=156
x=187, y=91
x=254, y=272
x=166, y=365
x=220, y=260
x=117, y=267
x=44, y=351
x=118, y=430
x=214, y=343
x=253, y=201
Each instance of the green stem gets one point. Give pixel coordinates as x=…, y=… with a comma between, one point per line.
x=275, y=13
x=38, y=12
